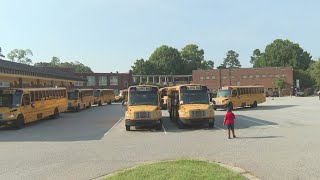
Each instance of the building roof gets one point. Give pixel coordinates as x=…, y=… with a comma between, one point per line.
x=47, y=72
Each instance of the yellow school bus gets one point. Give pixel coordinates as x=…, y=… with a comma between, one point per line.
x=19, y=106
x=80, y=99
x=103, y=96
x=190, y=104
x=164, y=97
x=143, y=107
x=123, y=96
x=239, y=96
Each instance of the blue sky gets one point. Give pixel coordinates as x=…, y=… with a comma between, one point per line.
x=109, y=35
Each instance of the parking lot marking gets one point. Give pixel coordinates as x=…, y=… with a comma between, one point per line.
x=258, y=122
x=164, y=129
x=113, y=126
x=219, y=128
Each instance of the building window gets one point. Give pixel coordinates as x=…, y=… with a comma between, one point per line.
x=257, y=76
x=201, y=78
x=125, y=84
x=263, y=75
x=238, y=83
x=207, y=77
x=270, y=75
x=213, y=77
x=283, y=75
x=103, y=81
x=79, y=83
x=232, y=77
x=244, y=76
x=224, y=77
x=114, y=80
x=277, y=75
x=91, y=81
x=251, y=76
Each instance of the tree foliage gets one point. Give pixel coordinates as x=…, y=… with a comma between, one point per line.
x=255, y=56
x=55, y=62
x=314, y=71
x=193, y=58
x=20, y=56
x=283, y=53
x=231, y=60
x=168, y=60
x=304, y=77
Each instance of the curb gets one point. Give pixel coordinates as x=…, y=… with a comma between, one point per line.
x=247, y=174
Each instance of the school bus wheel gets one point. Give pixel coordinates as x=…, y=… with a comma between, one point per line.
x=230, y=106
x=159, y=127
x=180, y=124
x=56, y=114
x=127, y=128
x=78, y=107
x=100, y=103
x=19, y=124
x=211, y=124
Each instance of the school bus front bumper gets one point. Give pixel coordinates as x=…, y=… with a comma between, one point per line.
x=193, y=121
x=143, y=122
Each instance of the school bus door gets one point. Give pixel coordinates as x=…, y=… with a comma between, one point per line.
x=26, y=108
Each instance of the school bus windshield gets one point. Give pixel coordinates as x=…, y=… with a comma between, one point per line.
x=194, y=97
x=224, y=93
x=97, y=93
x=73, y=95
x=143, y=98
x=10, y=100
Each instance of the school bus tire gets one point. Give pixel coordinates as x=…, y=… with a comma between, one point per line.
x=78, y=108
x=100, y=103
x=211, y=124
x=109, y=101
x=56, y=114
x=89, y=105
x=180, y=124
x=128, y=128
x=230, y=106
x=255, y=104
x=159, y=127
x=19, y=124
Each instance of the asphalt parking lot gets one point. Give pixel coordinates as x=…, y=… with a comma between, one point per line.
x=277, y=140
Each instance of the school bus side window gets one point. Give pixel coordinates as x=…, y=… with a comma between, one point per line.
x=26, y=100
x=234, y=93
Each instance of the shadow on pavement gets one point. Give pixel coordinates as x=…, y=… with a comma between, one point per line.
x=86, y=125
x=259, y=137
x=241, y=122
x=261, y=107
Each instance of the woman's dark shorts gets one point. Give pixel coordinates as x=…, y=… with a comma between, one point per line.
x=231, y=126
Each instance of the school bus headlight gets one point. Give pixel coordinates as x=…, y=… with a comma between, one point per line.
x=182, y=114
x=11, y=116
x=128, y=115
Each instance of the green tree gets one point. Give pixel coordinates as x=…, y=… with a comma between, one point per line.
x=280, y=84
x=231, y=61
x=167, y=60
x=282, y=53
x=255, y=56
x=1, y=55
x=77, y=66
x=142, y=67
x=20, y=56
x=304, y=77
x=314, y=71
x=55, y=62
x=193, y=59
